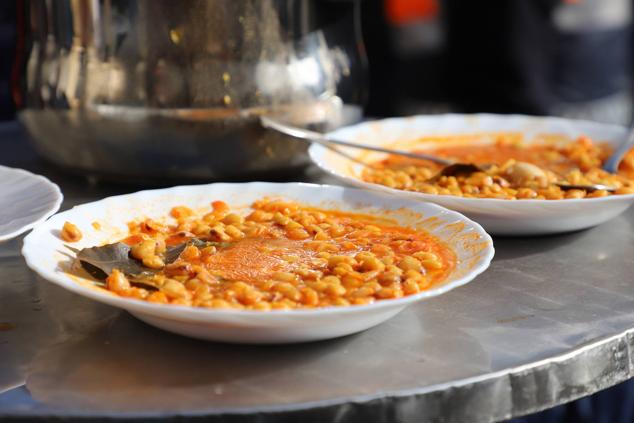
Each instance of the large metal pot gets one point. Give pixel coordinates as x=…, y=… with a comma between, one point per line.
x=173, y=89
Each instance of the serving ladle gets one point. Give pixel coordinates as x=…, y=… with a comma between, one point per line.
x=451, y=168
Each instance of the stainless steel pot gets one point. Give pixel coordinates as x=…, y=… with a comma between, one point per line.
x=173, y=89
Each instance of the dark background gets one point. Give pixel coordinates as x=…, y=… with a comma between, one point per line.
x=501, y=56
x=542, y=57
x=7, y=53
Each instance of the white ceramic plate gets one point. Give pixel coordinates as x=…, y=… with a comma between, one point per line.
x=26, y=200
x=502, y=217
x=45, y=253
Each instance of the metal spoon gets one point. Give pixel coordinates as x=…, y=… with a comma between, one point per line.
x=317, y=138
x=611, y=165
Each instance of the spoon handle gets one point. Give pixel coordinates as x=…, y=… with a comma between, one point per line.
x=612, y=163
x=317, y=138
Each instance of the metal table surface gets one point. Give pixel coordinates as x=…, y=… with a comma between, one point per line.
x=551, y=320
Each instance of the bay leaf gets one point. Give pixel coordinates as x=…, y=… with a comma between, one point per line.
x=99, y=262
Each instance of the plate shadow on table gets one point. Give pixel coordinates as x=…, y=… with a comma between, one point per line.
x=127, y=365
x=598, y=237
x=512, y=247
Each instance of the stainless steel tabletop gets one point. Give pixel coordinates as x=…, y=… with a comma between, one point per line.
x=551, y=320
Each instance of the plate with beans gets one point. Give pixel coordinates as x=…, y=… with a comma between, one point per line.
x=259, y=262
x=525, y=176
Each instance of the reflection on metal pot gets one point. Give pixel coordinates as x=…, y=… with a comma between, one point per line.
x=163, y=89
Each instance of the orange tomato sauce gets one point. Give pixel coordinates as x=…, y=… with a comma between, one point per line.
x=282, y=255
x=551, y=154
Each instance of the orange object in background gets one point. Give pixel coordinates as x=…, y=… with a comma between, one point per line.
x=401, y=12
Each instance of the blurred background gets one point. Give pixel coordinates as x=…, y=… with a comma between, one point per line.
x=119, y=79
x=547, y=57
x=553, y=57
x=372, y=58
